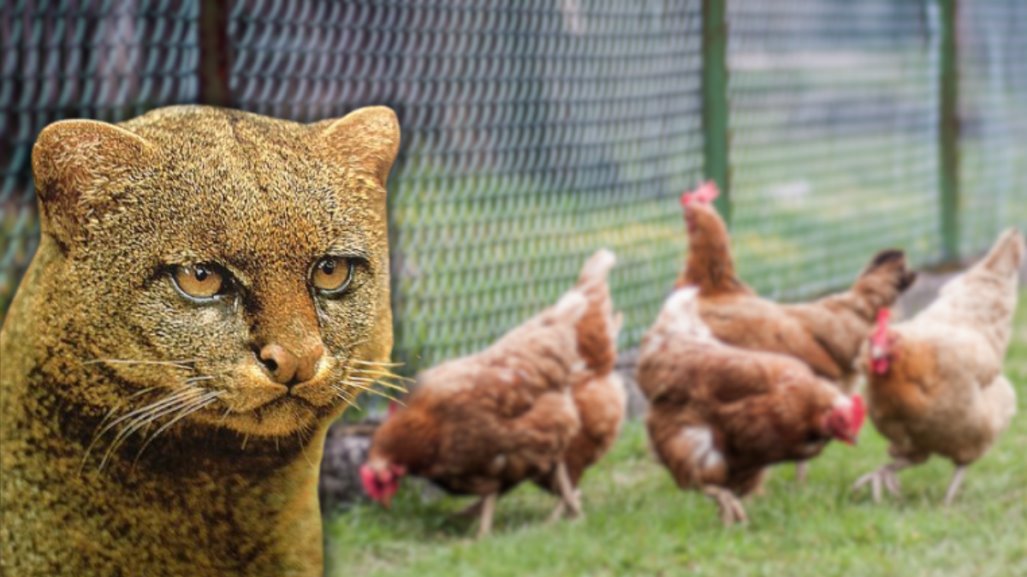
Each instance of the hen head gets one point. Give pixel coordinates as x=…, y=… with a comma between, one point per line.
x=381, y=480
x=846, y=419
x=881, y=353
x=703, y=197
x=705, y=194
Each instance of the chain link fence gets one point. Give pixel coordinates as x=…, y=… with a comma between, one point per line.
x=65, y=59
x=993, y=99
x=533, y=136
x=536, y=132
x=834, y=114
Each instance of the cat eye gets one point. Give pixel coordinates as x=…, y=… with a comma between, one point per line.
x=332, y=275
x=199, y=282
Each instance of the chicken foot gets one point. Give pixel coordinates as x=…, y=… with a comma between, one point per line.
x=886, y=477
x=570, y=497
x=731, y=509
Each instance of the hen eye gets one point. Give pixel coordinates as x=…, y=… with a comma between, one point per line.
x=200, y=281
x=331, y=275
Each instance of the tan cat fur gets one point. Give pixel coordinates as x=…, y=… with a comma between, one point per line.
x=97, y=330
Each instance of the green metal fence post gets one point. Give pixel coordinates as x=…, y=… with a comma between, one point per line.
x=715, y=103
x=214, y=65
x=948, y=131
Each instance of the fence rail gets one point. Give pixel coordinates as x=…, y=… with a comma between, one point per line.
x=538, y=131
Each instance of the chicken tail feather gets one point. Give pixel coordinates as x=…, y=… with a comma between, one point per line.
x=598, y=328
x=1006, y=257
x=884, y=279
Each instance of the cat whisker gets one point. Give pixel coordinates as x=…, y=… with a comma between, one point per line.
x=178, y=364
x=141, y=418
x=378, y=381
x=378, y=370
x=192, y=380
x=358, y=343
x=381, y=376
x=121, y=404
x=173, y=397
x=386, y=371
x=376, y=363
x=104, y=427
x=388, y=381
x=228, y=411
x=346, y=397
x=301, y=437
x=371, y=390
x=192, y=407
x=139, y=393
x=349, y=397
x=141, y=424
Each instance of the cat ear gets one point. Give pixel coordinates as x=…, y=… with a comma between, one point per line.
x=75, y=163
x=367, y=137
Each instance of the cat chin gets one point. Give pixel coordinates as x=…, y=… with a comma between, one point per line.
x=285, y=417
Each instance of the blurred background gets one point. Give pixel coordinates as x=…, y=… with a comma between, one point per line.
x=537, y=131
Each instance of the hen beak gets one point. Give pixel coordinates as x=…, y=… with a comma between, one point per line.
x=877, y=353
x=690, y=221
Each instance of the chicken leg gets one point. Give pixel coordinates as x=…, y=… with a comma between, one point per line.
x=801, y=471
x=731, y=509
x=488, y=509
x=570, y=497
x=957, y=480
x=885, y=477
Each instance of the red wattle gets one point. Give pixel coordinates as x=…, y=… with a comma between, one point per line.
x=367, y=477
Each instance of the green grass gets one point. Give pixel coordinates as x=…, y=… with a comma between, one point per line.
x=639, y=524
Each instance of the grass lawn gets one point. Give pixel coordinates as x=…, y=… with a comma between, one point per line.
x=639, y=524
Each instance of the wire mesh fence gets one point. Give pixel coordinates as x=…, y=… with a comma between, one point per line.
x=533, y=135
x=536, y=132
x=993, y=84
x=834, y=114
x=65, y=59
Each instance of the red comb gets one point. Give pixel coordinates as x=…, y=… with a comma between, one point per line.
x=880, y=344
x=881, y=329
x=393, y=407
x=859, y=412
x=705, y=194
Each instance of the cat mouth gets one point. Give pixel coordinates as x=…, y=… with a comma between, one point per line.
x=313, y=394
x=258, y=406
x=253, y=391
x=268, y=410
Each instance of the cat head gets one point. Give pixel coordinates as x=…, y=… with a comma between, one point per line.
x=230, y=264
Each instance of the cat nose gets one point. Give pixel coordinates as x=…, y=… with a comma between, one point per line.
x=287, y=367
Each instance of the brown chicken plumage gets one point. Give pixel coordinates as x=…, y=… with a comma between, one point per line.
x=482, y=424
x=598, y=391
x=825, y=334
x=935, y=383
x=719, y=415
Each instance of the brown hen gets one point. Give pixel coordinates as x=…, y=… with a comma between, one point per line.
x=825, y=334
x=482, y=424
x=719, y=415
x=935, y=383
